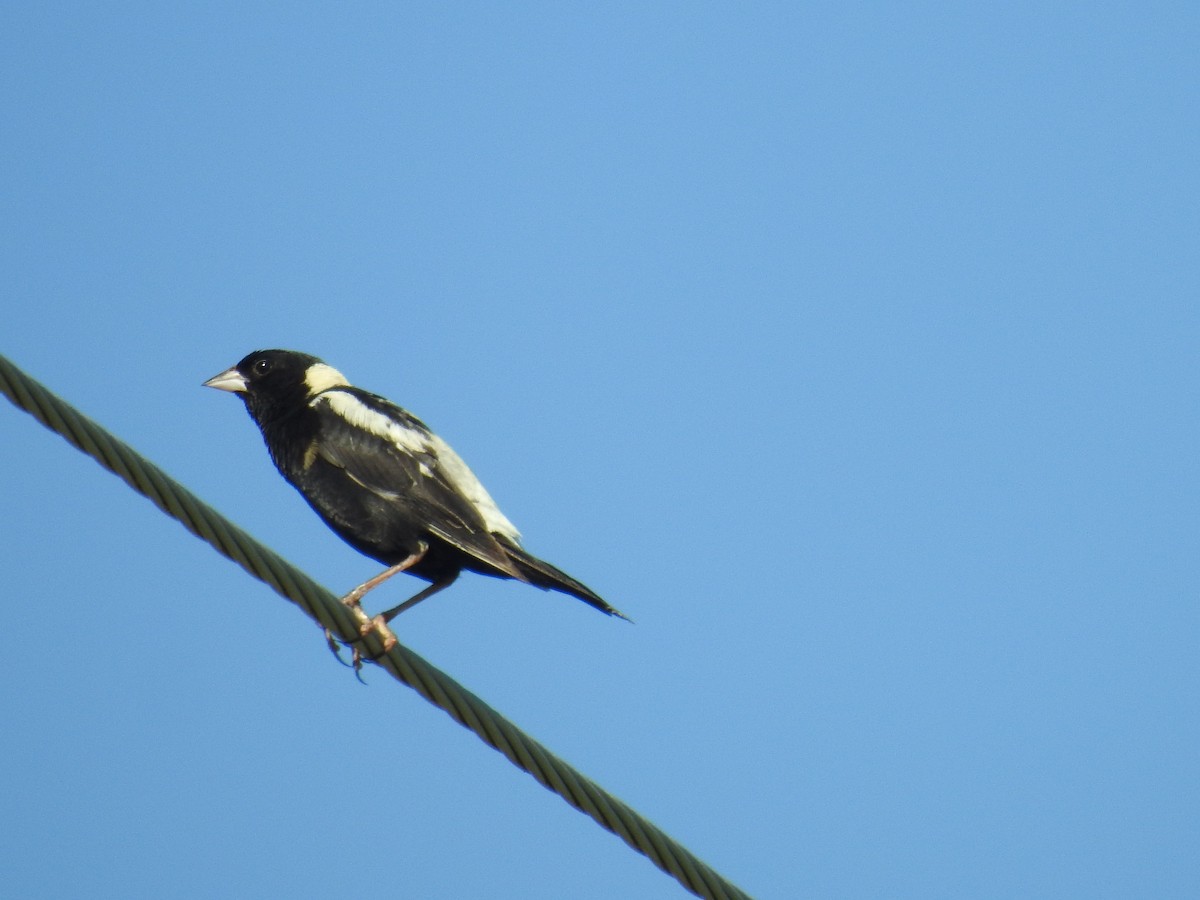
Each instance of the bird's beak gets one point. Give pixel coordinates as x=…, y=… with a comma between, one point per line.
x=230, y=380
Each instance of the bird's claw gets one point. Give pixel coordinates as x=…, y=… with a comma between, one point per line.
x=335, y=647
x=379, y=625
x=356, y=659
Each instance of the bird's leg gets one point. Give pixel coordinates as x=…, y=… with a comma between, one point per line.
x=379, y=624
x=440, y=585
x=354, y=598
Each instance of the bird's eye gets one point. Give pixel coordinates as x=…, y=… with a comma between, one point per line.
x=262, y=366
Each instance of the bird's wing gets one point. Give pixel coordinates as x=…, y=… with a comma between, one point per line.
x=391, y=453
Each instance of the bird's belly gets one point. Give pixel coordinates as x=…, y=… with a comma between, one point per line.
x=384, y=527
x=375, y=526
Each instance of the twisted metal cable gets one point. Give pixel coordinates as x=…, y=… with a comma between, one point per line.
x=322, y=605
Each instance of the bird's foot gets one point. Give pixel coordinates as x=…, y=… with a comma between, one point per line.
x=352, y=601
x=379, y=625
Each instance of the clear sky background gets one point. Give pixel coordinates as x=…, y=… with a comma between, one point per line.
x=850, y=349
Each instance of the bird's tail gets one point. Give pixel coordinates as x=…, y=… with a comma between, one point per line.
x=540, y=573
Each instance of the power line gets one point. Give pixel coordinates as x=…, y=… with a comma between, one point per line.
x=322, y=605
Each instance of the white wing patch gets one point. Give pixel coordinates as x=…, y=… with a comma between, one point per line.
x=420, y=443
x=357, y=413
x=469, y=486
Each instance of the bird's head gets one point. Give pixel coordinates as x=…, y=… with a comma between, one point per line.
x=277, y=383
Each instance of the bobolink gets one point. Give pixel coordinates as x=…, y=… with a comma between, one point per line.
x=386, y=484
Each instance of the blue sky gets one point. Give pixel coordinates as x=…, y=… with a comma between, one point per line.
x=850, y=349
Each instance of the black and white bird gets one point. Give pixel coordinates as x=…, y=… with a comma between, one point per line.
x=385, y=483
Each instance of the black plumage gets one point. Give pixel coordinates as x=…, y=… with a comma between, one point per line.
x=382, y=480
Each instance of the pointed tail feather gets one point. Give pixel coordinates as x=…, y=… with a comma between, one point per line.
x=548, y=578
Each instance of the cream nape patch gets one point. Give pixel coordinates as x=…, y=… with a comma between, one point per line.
x=321, y=377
